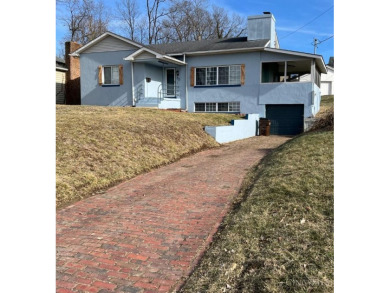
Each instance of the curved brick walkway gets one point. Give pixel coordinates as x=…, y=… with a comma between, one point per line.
x=146, y=234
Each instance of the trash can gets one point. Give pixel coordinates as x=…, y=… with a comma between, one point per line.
x=265, y=126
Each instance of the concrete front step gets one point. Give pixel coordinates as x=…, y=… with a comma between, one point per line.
x=148, y=102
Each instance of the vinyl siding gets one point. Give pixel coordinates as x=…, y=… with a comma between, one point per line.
x=110, y=44
x=145, y=55
x=60, y=87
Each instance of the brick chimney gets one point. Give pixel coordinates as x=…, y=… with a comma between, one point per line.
x=72, y=77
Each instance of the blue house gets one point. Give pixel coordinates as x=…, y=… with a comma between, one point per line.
x=234, y=75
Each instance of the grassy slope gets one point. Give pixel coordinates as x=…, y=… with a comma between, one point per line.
x=280, y=238
x=97, y=147
x=327, y=103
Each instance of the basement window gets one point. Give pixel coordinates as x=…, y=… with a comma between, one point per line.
x=218, y=107
x=111, y=75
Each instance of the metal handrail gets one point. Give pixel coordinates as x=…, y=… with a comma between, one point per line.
x=162, y=91
x=139, y=92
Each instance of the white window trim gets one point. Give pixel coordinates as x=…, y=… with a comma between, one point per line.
x=216, y=107
x=103, y=77
x=217, y=76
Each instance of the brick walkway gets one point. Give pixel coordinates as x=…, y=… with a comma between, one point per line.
x=146, y=234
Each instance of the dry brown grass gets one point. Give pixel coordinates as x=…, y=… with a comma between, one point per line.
x=279, y=236
x=327, y=103
x=97, y=147
x=325, y=121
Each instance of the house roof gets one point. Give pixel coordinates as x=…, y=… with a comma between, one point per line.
x=158, y=56
x=331, y=62
x=101, y=37
x=318, y=58
x=227, y=45
x=207, y=45
x=60, y=64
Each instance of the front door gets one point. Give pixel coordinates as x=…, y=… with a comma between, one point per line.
x=170, y=82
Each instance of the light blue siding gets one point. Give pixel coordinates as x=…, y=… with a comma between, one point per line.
x=94, y=94
x=286, y=93
x=252, y=95
x=245, y=94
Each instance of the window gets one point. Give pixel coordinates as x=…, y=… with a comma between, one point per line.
x=317, y=77
x=211, y=76
x=200, y=107
x=218, y=107
x=200, y=76
x=286, y=71
x=218, y=75
x=234, y=107
x=272, y=72
x=111, y=74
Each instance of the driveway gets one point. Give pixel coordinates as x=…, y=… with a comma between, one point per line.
x=147, y=234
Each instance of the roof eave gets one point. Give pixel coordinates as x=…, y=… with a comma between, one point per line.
x=61, y=68
x=225, y=51
x=318, y=58
x=132, y=57
x=98, y=39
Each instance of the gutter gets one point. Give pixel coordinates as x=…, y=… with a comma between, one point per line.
x=254, y=49
x=61, y=69
x=132, y=82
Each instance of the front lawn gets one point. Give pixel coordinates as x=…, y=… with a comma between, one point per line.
x=98, y=147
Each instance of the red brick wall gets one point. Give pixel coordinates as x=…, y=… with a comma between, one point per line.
x=72, y=80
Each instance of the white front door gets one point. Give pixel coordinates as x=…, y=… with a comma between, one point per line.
x=170, y=81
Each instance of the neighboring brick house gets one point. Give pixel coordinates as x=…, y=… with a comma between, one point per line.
x=68, y=77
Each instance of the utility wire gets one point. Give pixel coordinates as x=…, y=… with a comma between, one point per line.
x=317, y=42
x=307, y=23
x=325, y=40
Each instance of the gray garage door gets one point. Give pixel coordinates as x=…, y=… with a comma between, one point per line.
x=285, y=119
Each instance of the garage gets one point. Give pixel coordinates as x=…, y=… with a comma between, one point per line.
x=285, y=119
x=326, y=88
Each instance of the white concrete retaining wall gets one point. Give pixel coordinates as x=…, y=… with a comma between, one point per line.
x=239, y=129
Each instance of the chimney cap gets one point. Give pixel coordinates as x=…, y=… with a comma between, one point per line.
x=266, y=12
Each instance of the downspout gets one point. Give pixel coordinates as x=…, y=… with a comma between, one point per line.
x=132, y=82
x=313, y=72
x=184, y=60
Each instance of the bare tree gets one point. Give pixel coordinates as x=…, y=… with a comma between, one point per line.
x=225, y=26
x=128, y=12
x=187, y=21
x=76, y=13
x=95, y=24
x=85, y=19
x=155, y=13
x=141, y=28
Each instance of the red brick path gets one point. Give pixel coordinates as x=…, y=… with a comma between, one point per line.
x=146, y=234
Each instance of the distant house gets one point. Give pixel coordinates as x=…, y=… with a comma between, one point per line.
x=61, y=70
x=234, y=75
x=327, y=80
